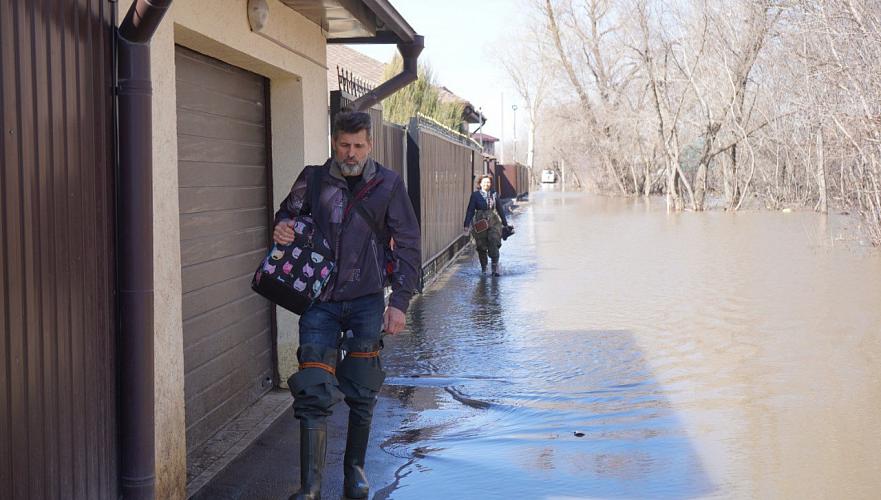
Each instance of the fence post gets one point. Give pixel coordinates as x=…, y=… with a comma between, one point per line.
x=405, y=174
x=413, y=179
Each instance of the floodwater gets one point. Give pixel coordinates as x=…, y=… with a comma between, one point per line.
x=631, y=353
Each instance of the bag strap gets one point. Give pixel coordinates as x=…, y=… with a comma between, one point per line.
x=380, y=234
x=314, y=190
x=355, y=202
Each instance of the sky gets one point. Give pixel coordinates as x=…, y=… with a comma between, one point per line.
x=461, y=38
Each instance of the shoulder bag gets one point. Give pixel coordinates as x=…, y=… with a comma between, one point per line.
x=293, y=276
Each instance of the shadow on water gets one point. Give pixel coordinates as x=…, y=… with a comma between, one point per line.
x=603, y=430
x=503, y=407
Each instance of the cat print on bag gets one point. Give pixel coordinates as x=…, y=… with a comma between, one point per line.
x=296, y=273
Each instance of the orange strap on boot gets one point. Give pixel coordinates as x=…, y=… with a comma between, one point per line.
x=315, y=364
x=373, y=354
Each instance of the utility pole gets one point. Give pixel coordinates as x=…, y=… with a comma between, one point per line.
x=514, y=107
x=502, y=123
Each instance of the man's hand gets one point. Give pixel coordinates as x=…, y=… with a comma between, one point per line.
x=284, y=232
x=466, y=230
x=393, y=321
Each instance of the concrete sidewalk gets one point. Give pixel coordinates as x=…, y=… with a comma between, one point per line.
x=268, y=469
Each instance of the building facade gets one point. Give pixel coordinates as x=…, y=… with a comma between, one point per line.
x=239, y=106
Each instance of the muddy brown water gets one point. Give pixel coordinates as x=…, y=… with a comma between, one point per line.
x=631, y=353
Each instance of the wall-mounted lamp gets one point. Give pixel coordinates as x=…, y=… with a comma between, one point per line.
x=258, y=14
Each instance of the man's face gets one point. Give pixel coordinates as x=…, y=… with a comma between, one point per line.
x=351, y=151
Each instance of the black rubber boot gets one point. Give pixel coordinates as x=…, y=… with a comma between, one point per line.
x=355, y=484
x=315, y=393
x=496, y=268
x=313, y=448
x=360, y=377
x=483, y=261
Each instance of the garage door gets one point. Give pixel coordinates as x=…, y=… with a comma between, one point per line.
x=224, y=230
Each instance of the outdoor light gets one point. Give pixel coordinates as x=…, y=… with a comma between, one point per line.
x=258, y=14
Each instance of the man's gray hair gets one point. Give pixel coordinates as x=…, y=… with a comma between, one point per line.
x=352, y=122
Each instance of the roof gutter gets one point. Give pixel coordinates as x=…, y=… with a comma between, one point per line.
x=410, y=45
x=134, y=224
x=391, y=19
x=410, y=54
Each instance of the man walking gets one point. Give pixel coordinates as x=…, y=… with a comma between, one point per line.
x=363, y=206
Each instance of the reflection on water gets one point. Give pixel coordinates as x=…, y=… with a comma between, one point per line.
x=630, y=353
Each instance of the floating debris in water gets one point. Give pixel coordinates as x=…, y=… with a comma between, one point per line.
x=579, y=434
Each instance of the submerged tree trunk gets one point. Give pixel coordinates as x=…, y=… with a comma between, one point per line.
x=822, y=205
x=729, y=174
x=530, y=152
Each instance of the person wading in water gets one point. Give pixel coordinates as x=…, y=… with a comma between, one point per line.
x=485, y=219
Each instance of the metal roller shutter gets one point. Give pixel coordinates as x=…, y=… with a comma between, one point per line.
x=224, y=229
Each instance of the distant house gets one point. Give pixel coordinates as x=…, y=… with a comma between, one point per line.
x=487, y=141
x=470, y=115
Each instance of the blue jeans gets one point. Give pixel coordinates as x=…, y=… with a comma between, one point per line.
x=322, y=323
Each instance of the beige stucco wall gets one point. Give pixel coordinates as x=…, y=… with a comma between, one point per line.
x=291, y=54
x=171, y=463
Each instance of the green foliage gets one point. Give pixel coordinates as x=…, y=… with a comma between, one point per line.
x=421, y=96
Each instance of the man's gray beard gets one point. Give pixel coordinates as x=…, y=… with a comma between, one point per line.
x=352, y=170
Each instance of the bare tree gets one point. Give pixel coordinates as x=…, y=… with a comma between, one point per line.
x=527, y=67
x=731, y=104
x=578, y=31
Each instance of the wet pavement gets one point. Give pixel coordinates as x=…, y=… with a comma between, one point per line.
x=625, y=353
x=268, y=469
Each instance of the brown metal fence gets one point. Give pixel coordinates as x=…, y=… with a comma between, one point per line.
x=522, y=180
x=440, y=179
x=394, y=140
x=57, y=396
x=512, y=180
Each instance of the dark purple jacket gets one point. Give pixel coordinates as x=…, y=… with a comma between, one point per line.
x=360, y=256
